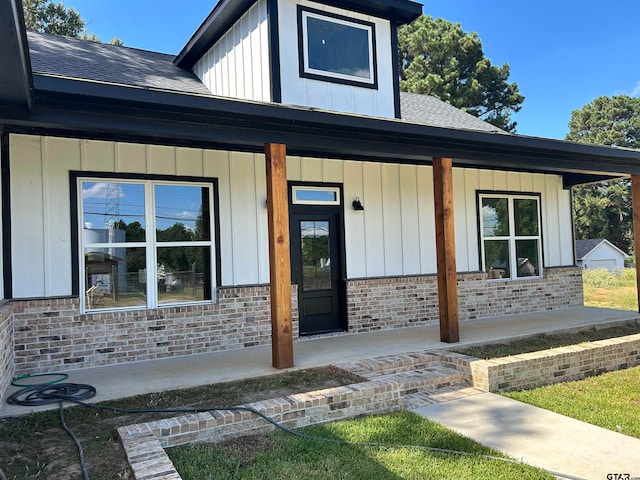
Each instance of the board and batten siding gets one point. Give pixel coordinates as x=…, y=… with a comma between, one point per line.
x=394, y=235
x=327, y=95
x=238, y=64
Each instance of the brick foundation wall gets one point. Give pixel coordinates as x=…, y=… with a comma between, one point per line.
x=561, y=287
x=144, y=442
x=531, y=370
x=395, y=302
x=52, y=335
x=6, y=350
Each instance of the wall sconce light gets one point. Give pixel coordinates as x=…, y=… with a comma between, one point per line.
x=357, y=205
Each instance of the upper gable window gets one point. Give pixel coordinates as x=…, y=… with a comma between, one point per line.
x=336, y=49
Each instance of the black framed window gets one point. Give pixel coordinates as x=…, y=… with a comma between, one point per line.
x=337, y=49
x=145, y=243
x=511, y=237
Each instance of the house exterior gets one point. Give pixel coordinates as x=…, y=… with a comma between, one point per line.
x=599, y=253
x=268, y=182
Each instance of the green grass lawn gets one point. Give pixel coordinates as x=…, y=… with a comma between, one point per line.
x=610, y=289
x=611, y=400
x=282, y=456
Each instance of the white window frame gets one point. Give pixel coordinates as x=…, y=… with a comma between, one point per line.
x=512, y=237
x=150, y=244
x=297, y=188
x=366, y=26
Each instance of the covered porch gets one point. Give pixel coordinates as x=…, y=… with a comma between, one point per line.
x=128, y=379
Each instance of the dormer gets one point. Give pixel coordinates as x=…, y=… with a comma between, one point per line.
x=338, y=55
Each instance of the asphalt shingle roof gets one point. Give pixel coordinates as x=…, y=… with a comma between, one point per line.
x=100, y=62
x=429, y=110
x=585, y=246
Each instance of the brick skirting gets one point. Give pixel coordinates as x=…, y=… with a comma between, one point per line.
x=144, y=442
x=52, y=335
x=564, y=364
x=396, y=302
x=6, y=350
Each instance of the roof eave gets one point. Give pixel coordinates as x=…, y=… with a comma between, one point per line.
x=227, y=12
x=221, y=18
x=248, y=124
x=15, y=74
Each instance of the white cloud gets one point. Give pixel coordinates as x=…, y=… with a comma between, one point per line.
x=635, y=91
x=187, y=214
x=98, y=190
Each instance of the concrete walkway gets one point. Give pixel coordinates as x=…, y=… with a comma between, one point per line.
x=539, y=437
x=127, y=379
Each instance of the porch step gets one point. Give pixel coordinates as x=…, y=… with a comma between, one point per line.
x=419, y=380
x=424, y=377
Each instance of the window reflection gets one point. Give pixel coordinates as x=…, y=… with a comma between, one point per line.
x=495, y=217
x=125, y=265
x=182, y=213
x=511, y=236
x=113, y=212
x=527, y=254
x=496, y=253
x=183, y=274
x=316, y=260
x=113, y=277
x=526, y=216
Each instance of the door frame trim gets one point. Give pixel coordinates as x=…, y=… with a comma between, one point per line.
x=338, y=211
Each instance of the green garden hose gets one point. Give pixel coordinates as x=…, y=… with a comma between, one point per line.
x=61, y=378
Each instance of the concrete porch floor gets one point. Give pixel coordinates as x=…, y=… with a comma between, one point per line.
x=128, y=379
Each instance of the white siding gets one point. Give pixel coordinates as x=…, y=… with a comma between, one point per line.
x=333, y=96
x=40, y=220
x=40, y=198
x=238, y=64
x=394, y=235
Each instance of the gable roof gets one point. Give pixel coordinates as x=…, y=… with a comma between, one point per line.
x=227, y=12
x=585, y=247
x=429, y=110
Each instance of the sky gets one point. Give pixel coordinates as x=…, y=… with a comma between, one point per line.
x=563, y=53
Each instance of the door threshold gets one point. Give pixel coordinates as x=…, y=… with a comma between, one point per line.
x=324, y=333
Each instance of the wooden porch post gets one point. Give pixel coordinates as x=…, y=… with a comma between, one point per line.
x=446, y=250
x=635, y=202
x=279, y=256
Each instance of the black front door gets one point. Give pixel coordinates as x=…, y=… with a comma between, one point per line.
x=317, y=269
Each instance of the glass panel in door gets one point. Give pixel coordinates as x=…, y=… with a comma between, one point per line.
x=316, y=255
